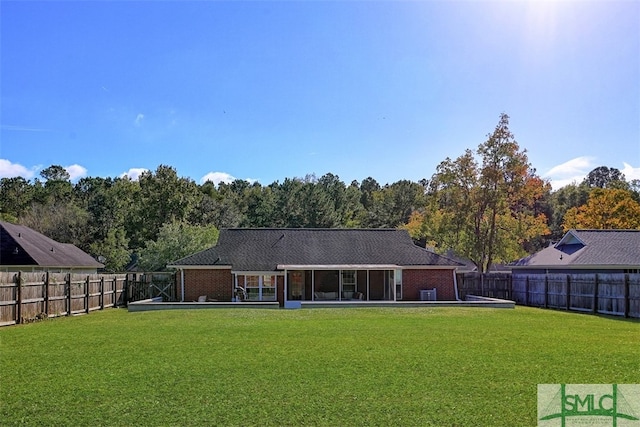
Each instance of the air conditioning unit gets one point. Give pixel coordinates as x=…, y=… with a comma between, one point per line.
x=428, y=294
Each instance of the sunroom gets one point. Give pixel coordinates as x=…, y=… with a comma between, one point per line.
x=321, y=283
x=342, y=282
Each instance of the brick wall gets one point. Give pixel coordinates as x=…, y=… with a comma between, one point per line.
x=415, y=280
x=215, y=284
x=280, y=290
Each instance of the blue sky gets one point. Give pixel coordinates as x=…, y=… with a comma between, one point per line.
x=268, y=90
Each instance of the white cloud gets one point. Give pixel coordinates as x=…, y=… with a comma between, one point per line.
x=139, y=119
x=575, y=171
x=12, y=170
x=630, y=173
x=573, y=167
x=76, y=172
x=134, y=173
x=571, y=172
x=217, y=178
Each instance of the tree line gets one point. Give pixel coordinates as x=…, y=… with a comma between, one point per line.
x=488, y=205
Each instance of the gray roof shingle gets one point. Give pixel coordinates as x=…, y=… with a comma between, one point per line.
x=263, y=249
x=34, y=248
x=589, y=248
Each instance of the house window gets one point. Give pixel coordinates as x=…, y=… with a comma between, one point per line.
x=348, y=283
x=260, y=288
x=398, y=280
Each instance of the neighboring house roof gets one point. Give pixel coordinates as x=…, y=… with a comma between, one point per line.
x=269, y=249
x=467, y=264
x=589, y=249
x=22, y=246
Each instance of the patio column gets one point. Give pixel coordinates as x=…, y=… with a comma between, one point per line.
x=286, y=274
x=392, y=285
x=368, y=285
x=181, y=285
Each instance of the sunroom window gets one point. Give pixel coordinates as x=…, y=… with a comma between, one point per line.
x=348, y=283
x=398, y=281
x=260, y=287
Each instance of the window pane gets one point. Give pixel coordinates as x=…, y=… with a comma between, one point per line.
x=348, y=283
x=268, y=294
x=253, y=294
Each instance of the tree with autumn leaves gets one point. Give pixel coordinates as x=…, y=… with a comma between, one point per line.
x=606, y=208
x=487, y=205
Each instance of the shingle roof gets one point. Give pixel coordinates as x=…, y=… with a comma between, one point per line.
x=263, y=249
x=20, y=245
x=589, y=248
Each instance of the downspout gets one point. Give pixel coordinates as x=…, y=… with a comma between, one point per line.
x=455, y=285
x=181, y=285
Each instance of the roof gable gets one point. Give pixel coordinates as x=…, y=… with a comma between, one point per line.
x=263, y=249
x=22, y=246
x=570, y=238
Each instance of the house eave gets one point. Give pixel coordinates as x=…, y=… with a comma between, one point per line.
x=199, y=267
x=576, y=267
x=339, y=267
x=257, y=273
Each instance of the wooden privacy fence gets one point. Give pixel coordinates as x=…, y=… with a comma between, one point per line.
x=28, y=296
x=143, y=286
x=492, y=285
x=615, y=294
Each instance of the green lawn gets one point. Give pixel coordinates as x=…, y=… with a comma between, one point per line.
x=362, y=366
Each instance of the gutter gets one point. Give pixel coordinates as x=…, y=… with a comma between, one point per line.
x=455, y=285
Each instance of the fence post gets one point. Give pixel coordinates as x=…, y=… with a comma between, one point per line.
x=546, y=290
x=68, y=287
x=594, y=309
x=526, y=290
x=101, y=292
x=115, y=290
x=125, y=290
x=46, y=293
x=568, y=292
x=18, y=282
x=627, y=302
x=87, y=285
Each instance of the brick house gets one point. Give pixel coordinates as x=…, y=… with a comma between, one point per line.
x=286, y=264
